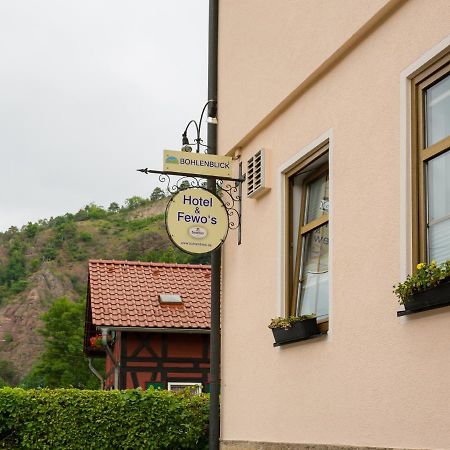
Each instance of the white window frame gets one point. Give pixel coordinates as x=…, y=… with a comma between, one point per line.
x=284, y=169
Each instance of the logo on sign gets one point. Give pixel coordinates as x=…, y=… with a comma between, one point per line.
x=171, y=160
x=198, y=232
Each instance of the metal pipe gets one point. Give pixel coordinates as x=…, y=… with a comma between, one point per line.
x=95, y=372
x=116, y=364
x=214, y=411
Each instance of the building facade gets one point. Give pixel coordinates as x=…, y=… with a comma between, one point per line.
x=339, y=112
x=156, y=321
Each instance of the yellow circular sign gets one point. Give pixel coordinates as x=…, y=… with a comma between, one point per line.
x=196, y=220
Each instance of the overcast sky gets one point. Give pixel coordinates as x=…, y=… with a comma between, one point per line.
x=90, y=91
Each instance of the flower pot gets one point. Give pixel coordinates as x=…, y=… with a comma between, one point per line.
x=299, y=330
x=432, y=297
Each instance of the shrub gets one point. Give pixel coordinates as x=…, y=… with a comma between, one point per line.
x=84, y=236
x=34, y=264
x=74, y=419
x=18, y=286
x=135, y=201
x=49, y=252
x=8, y=373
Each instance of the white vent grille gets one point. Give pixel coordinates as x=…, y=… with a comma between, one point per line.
x=256, y=175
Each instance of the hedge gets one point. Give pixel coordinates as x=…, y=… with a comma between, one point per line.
x=82, y=419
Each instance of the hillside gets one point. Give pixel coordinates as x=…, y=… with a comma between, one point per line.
x=47, y=260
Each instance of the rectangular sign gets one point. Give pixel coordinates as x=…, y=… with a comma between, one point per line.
x=197, y=163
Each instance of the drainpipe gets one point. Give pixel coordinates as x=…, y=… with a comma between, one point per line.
x=216, y=256
x=94, y=371
x=116, y=364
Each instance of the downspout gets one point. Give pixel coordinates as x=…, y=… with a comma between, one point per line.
x=94, y=371
x=216, y=256
x=116, y=364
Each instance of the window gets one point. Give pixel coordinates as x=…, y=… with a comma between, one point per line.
x=308, y=186
x=431, y=162
x=195, y=388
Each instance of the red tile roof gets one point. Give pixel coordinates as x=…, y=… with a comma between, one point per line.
x=126, y=294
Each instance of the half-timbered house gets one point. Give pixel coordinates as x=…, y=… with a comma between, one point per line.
x=152, y=321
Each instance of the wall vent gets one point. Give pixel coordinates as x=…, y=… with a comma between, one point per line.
x=256, y=178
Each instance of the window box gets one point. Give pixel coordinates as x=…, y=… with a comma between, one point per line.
x=427, y=288
x=298, y=331
x=433, y=297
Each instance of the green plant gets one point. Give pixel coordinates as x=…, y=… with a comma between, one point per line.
x=75, y=419
x=84, y=236
x=157, y=194
x=8, y=373
x=286, y=322
x=62, y=363
x=425, y=277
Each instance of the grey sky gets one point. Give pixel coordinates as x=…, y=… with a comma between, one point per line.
x=91, y=90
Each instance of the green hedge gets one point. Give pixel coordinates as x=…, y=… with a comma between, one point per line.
x=82, y=419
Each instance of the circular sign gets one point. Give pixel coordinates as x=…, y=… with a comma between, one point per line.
x=196, y=220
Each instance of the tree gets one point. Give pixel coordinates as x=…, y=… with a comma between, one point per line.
x=91, y=211
x=94, y=211
x=8, y=374
x=184, y=185
x=157, y=194
x=31, y=229
x=113, y=207
x=63, y=364
x=135, y=202
x=16, y=267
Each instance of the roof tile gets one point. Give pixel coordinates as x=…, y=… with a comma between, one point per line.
x=126, y=293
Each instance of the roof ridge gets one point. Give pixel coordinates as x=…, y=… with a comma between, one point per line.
x=147, y=263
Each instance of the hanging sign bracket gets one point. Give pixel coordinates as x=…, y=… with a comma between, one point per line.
x=228, y=189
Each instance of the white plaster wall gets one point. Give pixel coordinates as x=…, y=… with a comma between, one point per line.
x=376, y=379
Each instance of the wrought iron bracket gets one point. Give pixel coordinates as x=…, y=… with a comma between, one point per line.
x=228, y=189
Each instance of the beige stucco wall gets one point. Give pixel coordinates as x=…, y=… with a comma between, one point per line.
x=267, y=48
x=375, y=380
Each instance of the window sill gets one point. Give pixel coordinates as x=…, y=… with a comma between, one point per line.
x=407, y=312
x=291, y=341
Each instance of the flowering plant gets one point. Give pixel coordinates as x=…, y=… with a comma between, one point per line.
x=96, y=341
x=425, y=277
x=286, y=322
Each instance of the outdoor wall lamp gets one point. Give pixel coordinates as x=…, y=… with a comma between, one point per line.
x=211, y=118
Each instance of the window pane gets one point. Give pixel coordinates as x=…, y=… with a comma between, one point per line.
x=317, y=199
x=439, y=241
x=437, y=104
x=314, y=279
x=438, y=187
